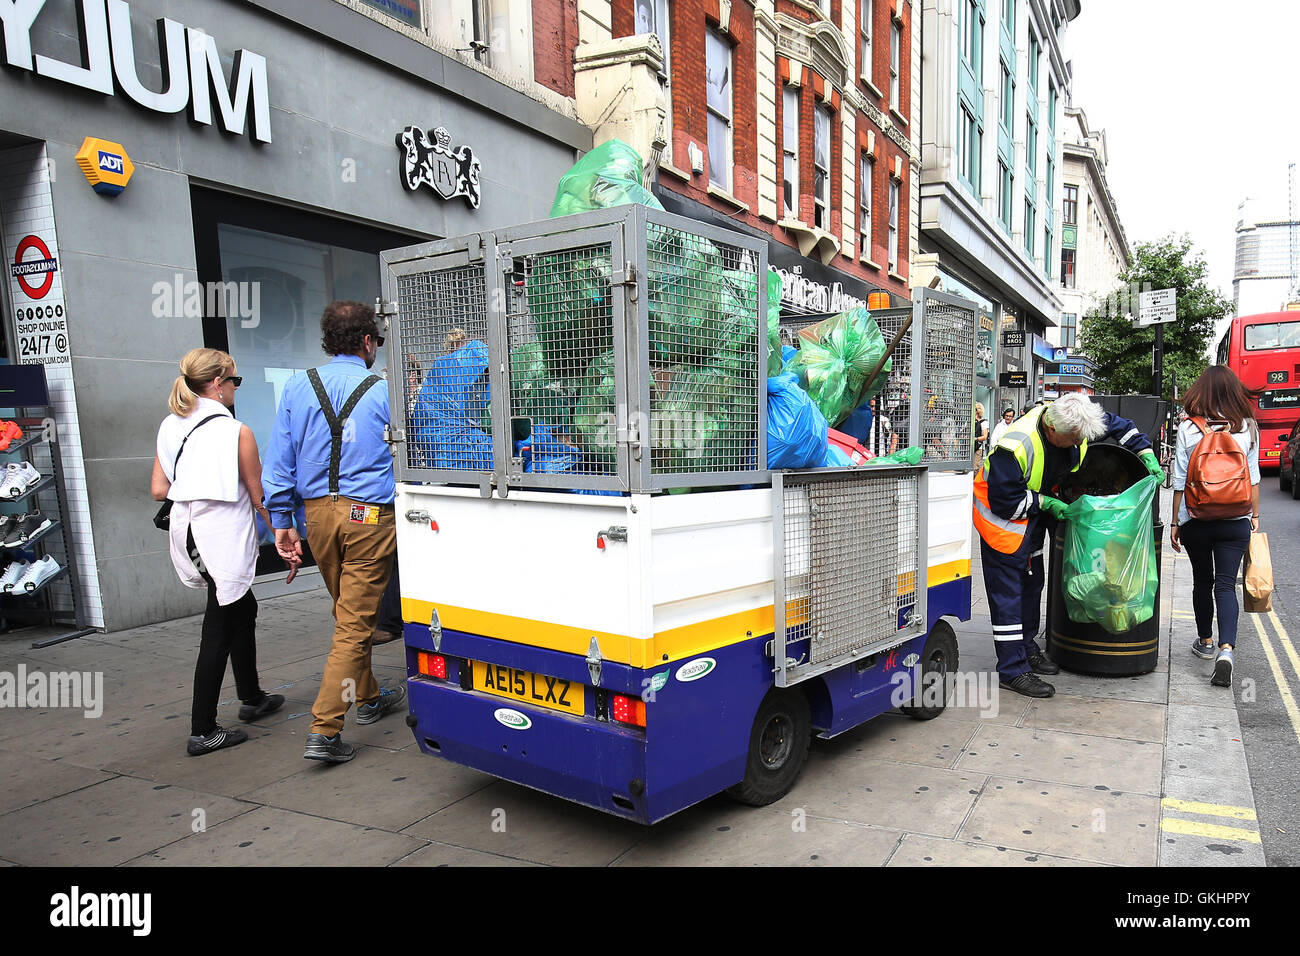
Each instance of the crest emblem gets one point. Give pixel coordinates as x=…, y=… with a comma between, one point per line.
x=448, y=172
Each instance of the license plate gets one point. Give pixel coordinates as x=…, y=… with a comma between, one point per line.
x=1275, y=453
x=553, y=693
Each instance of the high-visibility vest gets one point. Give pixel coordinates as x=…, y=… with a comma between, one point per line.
x=1023, y=440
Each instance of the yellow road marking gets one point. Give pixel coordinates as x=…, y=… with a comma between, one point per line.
x=1213, y=830
x=1211, y=809
x=1286, y=641
x=1287, y=700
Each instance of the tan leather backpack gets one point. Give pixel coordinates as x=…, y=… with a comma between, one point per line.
x=1218, y=475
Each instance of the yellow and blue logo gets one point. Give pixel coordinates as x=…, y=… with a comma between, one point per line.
x=106, y=165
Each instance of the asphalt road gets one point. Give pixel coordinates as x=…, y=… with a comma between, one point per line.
x=1268, y=670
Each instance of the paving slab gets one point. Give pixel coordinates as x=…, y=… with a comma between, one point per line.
x=376, y=788
x=1133, y=720
x=917, y=850
x=934, y=743
x=885, y=793
x=30, y=780
x=513, y=821
x=1209, y=822
x=108, y=823
x=721, y=832
x=267, y=836
x=1152, y=687
x=1072, y=822
x=1206, y=742
x=444, y=854
x=1078, y=759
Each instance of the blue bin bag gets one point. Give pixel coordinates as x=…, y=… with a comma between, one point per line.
x=544, y=454
x=858, y=424
x=445, y=422
x=796, y=428
x=788, y=352
x=837, y=457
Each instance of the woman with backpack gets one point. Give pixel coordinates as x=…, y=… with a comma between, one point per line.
x=1216, y=505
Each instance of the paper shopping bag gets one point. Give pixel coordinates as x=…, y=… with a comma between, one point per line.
x=1257, y=596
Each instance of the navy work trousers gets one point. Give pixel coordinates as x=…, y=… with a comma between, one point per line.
x=1014, y=585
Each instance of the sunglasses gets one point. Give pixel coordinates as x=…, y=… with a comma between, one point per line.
x=237, y=379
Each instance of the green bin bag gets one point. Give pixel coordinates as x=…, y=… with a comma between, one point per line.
x=609, y=175
x=835, y=357
x=1110, y=574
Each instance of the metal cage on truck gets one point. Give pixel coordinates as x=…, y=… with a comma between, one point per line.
x=693, y=636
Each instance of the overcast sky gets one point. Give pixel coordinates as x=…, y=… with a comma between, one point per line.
x=1198, y=100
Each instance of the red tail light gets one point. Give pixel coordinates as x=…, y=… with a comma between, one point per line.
x=629, y=710
x=433, y=665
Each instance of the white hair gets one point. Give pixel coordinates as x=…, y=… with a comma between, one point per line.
x=1076, y=414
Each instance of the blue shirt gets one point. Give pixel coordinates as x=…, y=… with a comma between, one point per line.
x=298, y=459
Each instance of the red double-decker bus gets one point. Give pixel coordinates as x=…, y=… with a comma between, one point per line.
x=1264, y=351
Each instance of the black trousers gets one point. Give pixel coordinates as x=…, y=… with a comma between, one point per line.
x=229, y=632
x=1215, y=549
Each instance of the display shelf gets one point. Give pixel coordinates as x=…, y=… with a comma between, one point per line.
x=46, y=483
x=8, y=595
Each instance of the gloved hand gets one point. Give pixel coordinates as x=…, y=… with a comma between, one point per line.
x=1052, y=506
x=1154, y=467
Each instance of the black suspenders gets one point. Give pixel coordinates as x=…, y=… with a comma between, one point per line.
x=336, y=421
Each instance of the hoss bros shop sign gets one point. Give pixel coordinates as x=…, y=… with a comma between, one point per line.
x=191, y=64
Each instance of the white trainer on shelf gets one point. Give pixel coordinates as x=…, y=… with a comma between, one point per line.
x=36, y=575
x=12, y=484
x=13, y=574
x=30, y=476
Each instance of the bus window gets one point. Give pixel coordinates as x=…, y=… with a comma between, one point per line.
x=1272, y=335
x=1224, y=342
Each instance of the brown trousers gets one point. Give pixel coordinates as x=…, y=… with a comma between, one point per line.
x=355, y=559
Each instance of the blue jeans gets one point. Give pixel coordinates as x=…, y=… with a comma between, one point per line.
x=1215, y=549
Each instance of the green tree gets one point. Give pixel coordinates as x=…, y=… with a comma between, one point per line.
x=1123, y=353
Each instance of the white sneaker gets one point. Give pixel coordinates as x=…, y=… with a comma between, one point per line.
x=36, y=575
x=30, y=476
x=12, y=484
x=12, y=575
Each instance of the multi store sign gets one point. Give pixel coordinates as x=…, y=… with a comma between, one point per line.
x=190, y=62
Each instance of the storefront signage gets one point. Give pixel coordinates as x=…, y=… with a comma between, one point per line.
x=808, y=295
x=448, y=172
x=984, y=348
x=1013, y=339
x=34, y=267
x=1072, y=368
x=408, y=11
x=1047, y=352
x=1013, y=380
x=190, y=60
x=106, y=165
x=1069, y=236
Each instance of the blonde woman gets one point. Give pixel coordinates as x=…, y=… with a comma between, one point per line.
x=207, y=463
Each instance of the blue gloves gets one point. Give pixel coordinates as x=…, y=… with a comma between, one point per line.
x=1154, y=467
x=1052, y=506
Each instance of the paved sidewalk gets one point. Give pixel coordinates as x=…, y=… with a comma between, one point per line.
x=1130, y=771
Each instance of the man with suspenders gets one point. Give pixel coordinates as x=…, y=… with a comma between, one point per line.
x=328, y=450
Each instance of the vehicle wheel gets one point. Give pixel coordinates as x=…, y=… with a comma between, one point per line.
x=1282, y=480
x=1295, y=485
x=778, y=747
x=938, y=660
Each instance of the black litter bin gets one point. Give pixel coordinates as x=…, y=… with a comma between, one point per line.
x=1090, y=648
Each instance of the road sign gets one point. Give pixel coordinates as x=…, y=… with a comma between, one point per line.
x=1157, y=307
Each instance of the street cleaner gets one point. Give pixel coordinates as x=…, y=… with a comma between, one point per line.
x=1011, y=512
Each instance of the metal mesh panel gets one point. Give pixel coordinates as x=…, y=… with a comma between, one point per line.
x=704, y=341
x=444, y=335
x=949, y=394
x=896, y=396
x=563, y=368
x=851, y=559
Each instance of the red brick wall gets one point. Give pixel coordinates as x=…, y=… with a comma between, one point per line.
x=555, y=37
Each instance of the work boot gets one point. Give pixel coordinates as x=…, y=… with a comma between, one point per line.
x=1029, y=684
x=1040, y=663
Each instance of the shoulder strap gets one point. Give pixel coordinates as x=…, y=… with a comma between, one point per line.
x=336, y=420
x=187, y=438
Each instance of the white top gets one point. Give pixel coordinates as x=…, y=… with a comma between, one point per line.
x=1189, y=436
x=999, y=430
x=209, y=499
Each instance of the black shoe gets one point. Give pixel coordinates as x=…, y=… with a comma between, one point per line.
x=1040, y=663
x=217, y=740
x=269, y=705
x=333, y=749
x=25, y=527
x=1029, y=685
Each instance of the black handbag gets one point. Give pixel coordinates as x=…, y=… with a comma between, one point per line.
x=163, y=519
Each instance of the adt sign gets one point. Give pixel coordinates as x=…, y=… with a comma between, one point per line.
x=107, y=166
x=109, y=162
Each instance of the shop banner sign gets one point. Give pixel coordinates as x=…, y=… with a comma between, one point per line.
x=984, y=348
x=448, y=172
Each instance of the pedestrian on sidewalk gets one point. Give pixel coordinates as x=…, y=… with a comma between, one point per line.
x=212, y=538
x=1215, y=546
x=328, y=449
x=1012, y=511
x=1000, y=429
x=981, y=435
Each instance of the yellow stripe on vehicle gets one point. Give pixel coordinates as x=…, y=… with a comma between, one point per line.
x=1208, y=809
x=1212, y=831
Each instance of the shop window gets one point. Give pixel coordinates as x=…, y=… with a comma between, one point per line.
x=719, y=102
